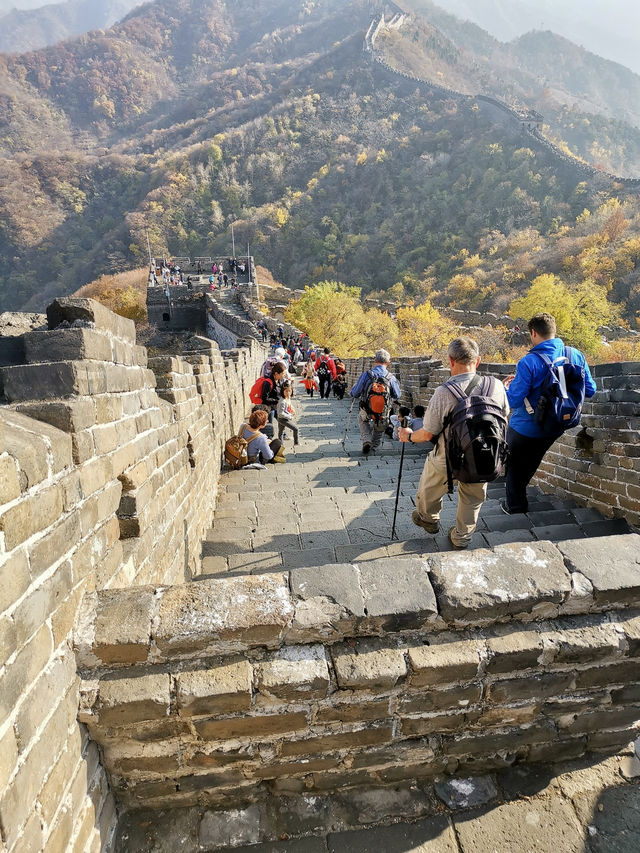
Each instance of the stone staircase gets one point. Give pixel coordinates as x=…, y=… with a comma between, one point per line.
x=329, y=504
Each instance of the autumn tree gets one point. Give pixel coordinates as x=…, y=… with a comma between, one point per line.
x=332, y=315
x=424, y=330
x=578, y=310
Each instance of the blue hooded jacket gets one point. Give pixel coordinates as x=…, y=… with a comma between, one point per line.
x=530, y=374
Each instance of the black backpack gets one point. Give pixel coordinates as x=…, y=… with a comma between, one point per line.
x=562, y=391
x=323, y=368
x=377, y=397
x=476, y=446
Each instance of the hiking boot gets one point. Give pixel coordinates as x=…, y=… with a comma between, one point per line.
x=453, y=544
x=429, y=526
x=366, y=447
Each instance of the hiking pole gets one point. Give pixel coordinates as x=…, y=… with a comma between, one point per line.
x=403, y=424
x=346, y=427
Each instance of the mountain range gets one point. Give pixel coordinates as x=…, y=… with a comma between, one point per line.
x=608, y=29
x=189, y=115
x=32, y=27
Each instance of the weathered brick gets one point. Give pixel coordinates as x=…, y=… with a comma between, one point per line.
x=53, y=684
x=615, y=673
x=454, y=698
x=130, y=700
x=368, y=664
x=15, y=578
x=67, y=345
x=353, y=712
x=219, y=690
x=250, y=609
x=602, y=720
x=331, y=743
x=294, y=673
x=251, y=726
x=54, y=544
x=580, y=641
x=18, y=799
x=482, y=744
x=513, y=650
x=531, y=687
x=631, y=628
x=33, y=514
x=512, y=579
x=53, y=790
x=24, y=668
x=122, y=626
x=443, y=663
x=38, y=605
x=8, y=756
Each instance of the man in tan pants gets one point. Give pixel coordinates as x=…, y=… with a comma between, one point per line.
x=464, y=359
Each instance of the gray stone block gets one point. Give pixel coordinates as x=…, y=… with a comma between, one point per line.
x=88, y=311
x=397, y=592
x=67, y=344
x=611, y=563
x=512, y=579
x=328, y=602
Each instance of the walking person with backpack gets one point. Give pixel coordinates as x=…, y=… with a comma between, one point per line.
x=326, y=371
x=376, y=388
x=467, y=421
x=546, y=394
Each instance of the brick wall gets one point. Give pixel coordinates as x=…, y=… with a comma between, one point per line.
x=598, y=464
x=370, y=674
x=109, y=466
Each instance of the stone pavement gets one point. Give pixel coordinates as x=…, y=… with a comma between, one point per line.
x=330, y=504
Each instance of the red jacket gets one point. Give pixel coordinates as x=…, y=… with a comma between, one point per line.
x=330, y=364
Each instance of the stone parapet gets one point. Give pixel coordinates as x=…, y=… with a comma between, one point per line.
x=109, y=472
x=329, y=678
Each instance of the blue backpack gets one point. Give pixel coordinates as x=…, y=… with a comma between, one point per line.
x=561, y=395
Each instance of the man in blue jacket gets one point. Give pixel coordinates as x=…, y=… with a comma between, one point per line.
x=526, y=440
x=372, y=430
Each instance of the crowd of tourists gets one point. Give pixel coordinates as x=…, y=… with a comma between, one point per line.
x=476, y=428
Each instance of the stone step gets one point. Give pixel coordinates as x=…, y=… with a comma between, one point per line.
x=327, y=506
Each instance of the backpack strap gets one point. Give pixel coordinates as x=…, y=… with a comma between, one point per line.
x=256, y=433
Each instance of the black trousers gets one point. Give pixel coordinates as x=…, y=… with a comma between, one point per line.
x=525, y=455
x=325, y=385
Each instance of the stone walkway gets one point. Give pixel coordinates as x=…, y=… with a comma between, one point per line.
x=329, y=504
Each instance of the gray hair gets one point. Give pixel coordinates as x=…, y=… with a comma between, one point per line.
x=464, y=350
x=382, y=357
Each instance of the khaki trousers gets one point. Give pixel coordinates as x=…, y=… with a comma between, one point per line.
x=433, y=486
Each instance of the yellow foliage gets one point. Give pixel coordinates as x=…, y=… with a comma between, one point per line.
x=124, y=293
x=332, y=315
x=361, y=159
x=578, y=310
x=424, y=330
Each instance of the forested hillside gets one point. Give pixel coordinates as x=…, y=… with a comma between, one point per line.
x=192, y=114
